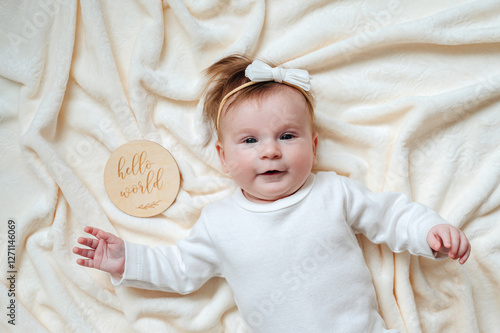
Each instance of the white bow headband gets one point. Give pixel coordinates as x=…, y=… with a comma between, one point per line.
x=259, y=71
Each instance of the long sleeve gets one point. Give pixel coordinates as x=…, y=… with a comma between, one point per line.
x=390, y=218
x=181, y=269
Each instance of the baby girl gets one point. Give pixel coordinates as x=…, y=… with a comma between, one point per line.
x=285, y=241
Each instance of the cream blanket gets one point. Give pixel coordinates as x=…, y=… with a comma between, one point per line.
x=408, y=99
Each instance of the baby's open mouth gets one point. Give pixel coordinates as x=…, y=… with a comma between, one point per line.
x=271, y=172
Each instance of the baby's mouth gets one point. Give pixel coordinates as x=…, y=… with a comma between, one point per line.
x=271, y=172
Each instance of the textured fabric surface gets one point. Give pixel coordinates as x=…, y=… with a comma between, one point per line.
x=408, y=99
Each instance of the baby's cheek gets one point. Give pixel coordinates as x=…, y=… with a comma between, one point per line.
x=241, y=162
x=236, y=167
x=233, y=164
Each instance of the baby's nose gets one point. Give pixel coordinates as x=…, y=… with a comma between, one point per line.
x=270, y=150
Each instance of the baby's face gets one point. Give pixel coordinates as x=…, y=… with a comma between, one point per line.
x=268, y=145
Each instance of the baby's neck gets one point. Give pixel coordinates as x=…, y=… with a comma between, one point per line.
x=263, y=201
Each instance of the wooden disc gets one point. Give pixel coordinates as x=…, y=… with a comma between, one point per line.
x=142, y=178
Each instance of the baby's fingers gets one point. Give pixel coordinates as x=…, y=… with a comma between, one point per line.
x=465, y=248
x=91, y=230
x=455, y=241
x=460, y=246
x=466, y=256
x=101, y=234
x=84, y=253
x=85, y=262
x=446, y=240
x=90, y=242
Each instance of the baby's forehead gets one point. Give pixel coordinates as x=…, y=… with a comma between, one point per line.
x=279, y=109
x=278, y=93
x=276, y=102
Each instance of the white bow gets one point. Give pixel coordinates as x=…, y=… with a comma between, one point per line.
x=258, y=71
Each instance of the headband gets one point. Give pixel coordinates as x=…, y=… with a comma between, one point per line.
x=259, y=71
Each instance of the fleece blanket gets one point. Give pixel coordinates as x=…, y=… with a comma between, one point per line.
x=408, y=100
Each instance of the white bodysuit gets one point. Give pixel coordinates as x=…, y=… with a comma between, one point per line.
x=294, y=265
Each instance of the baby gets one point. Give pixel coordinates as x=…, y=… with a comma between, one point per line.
x=285, y=240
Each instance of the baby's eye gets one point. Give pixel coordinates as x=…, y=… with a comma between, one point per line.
x=250, y=140
x=287, y=136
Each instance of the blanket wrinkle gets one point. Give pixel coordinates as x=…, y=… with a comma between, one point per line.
x=408, y=99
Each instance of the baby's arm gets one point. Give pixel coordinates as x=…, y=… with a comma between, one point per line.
x=106, y=251
x=182, y=268
x=449, y=240
x=392, y=218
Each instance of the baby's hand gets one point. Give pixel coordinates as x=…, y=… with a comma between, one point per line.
x=445, y=238
x=107, y=252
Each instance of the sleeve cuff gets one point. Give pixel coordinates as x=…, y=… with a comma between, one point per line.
x=131, y=268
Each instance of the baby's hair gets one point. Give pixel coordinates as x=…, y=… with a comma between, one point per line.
x=226, y=75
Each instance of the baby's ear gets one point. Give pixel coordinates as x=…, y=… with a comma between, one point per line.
x=315, y=146
x=222, y=156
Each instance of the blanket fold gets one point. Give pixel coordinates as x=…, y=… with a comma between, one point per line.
x=408, y=100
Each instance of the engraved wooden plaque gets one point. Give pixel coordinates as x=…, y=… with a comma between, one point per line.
x=142, y=178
